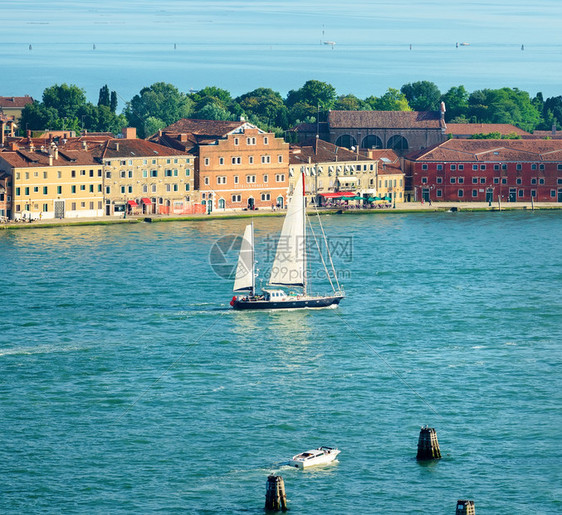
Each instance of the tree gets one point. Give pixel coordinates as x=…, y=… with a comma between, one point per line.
x=456, y=102
x=314, y=93
x=552, y=112
x=505, y=105
x=218, y=94
x=36, y=116
x=349, y=103
x=213, y=111
x=113, y=101
x=392, y=100
x=104, y=96
x=264, y=106
x=66, y=99
x=422, y=95
x=162, y=101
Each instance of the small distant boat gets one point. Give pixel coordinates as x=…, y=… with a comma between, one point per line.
x=320, y=456
x=330, y=43
x=464, y=43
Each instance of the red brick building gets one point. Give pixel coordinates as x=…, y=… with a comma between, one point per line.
x=485, y=170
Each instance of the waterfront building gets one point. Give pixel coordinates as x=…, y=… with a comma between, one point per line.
x=5, y=196
x=487, y=170
x=13, y=106
x=331, y=171
x=401, y=131
x=143, y=177
x=390, y=177
x=46, y=182
x=237, y=165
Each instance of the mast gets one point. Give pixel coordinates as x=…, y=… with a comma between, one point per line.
x=253, y=269
x=303, y=234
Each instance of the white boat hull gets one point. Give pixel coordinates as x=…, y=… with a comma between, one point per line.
x=309, y=459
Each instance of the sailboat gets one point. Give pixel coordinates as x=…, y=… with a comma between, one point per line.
x=289, y=268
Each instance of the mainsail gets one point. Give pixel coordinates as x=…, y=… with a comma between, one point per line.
x=289, y=265
x=245, y=277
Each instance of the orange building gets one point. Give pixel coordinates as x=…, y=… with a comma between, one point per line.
x=237, y=165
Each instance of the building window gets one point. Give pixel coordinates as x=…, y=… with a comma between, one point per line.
x=518, y=166
x=496, y=180
x=453, y=180
x=206, y=181
x=236, y=179
x=265, y=196
x=107, y=190
x=122, y=189
x=251, y=141
x=474, y=193
x=236, y=141
x=250, y=178
x=73, y=205
x=461, y=167
x=145, y=173
x=482, y=180
x=474, y=167
x=73, y=189
x=221, y=180
x=541, y=180
x=439, y=167
x=453, y=168
x=520, y=193
x=153, y=188
x=154, y=173
x=266, y=140
x=251, y=160
x=280, y=158
x=439, y=180
x=59, y=190
x=496, y=167
x=236, y=160
x=280, y=177
x=424, y=180
x=206, y=161
x=533, y=180
x=145, y=188
x=475, y=180
x=92, y=188
x=504, y=180
x=221, y=160
x=460, y=193
x=533, y=193
x=236, y=198
x=424, y=167
x=265, y=159
x=26, y=191
x=553, y=193
x=533, y=166
x=482, y=167
x=187, y=172
x=265, y=178
x=461, y=180
x=168, y=188
x=187, y=186
x=519, y=180
x=439, y=193
x=167, y=173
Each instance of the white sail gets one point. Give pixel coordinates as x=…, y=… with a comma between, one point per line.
x=245, y=278
x=289, y=265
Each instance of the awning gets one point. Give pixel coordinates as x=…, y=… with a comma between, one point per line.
x=146, y=201
x=343, y=178
x=132, y=203
x=338, y=194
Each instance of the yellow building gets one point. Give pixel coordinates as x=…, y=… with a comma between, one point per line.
x=390, y=177
x=50, y=183
x=142, y=177
x=331, y=171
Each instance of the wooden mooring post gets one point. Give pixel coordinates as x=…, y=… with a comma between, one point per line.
x=428, y=446
x=275, y=498
x=465, y=508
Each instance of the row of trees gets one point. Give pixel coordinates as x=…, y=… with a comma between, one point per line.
x=154, y=107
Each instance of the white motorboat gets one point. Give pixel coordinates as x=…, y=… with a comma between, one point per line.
x=320, y=456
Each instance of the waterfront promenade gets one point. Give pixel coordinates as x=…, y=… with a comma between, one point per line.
x=404, y=207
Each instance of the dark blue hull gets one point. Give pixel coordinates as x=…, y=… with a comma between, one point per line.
x=310, y=303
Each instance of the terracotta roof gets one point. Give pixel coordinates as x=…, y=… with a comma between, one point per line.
x=545, y=134
x=320, y=151
x=125, y=148
x=37, y=158
x=209, y=128
x=310, y=127
x=467, y=129
x=479, y=150
x=384, y=119
x=15, y=102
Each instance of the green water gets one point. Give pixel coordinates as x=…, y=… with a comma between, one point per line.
x=128, y=385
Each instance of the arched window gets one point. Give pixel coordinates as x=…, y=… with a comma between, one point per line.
x=280, y=202
x=371, y=142
x=222, y=203
x=346, y=141
x=397, y=143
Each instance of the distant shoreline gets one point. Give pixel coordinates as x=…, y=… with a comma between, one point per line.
x=414, y=207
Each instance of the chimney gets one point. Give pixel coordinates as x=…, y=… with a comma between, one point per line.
x=554, y=128
x=2, y=136
x=117, y=146
x=183, y=137
x=50, y=159
x=14, y=146
x=56, y=153
x=85, y=145
x=129, y=132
